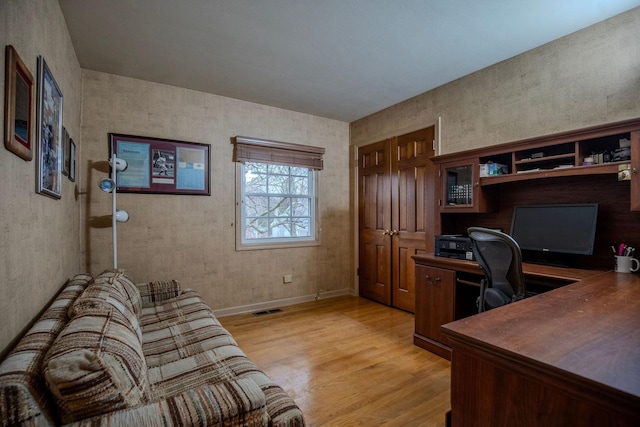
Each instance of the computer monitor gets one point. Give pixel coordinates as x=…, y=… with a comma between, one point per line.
x=545, y=230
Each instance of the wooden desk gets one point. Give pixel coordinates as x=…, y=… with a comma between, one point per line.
x=568, y=357
x=446, y=290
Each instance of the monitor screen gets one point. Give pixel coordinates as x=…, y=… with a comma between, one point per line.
x=563, y=229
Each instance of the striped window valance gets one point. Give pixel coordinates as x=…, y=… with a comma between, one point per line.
x=274, y=152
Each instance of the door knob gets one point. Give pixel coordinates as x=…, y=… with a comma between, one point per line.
x=393, y=232
x=385, y=232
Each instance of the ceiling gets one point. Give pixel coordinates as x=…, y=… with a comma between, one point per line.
x=340, y=59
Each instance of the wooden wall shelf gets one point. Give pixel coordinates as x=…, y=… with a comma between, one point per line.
x=601, y=169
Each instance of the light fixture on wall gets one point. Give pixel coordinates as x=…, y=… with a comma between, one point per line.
x=109, y=185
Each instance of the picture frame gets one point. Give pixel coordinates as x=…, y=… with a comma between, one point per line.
x=66, y=151
x=50, y=133
x=18, y=106
x=72, y=160
x=161, y=166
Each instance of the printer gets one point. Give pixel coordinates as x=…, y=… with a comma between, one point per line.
x=454, y=246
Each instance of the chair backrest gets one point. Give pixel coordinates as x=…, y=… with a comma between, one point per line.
x=500, y=258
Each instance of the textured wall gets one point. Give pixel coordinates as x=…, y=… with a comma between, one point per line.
x=587, y=78
x=39, y=243
x=192, y=238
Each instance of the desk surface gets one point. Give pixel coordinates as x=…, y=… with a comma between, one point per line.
x=587, y=332
x=535, y=270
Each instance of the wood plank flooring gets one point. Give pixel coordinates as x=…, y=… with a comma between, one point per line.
x=348, y=361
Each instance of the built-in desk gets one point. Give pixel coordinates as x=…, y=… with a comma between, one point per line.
x=567, y=357
x=446, y=290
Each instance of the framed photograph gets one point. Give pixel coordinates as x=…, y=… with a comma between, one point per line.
x=72, y=160
x=50, y=133
x=18, y=106
x=66, y=151
x=161, y=166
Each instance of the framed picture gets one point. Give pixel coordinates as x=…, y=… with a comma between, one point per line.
x=18, y=106
x=50, y=133
x=66, y=151
x=72, y=160
x=161, y=166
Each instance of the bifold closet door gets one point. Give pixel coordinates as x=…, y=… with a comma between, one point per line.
x=374, y=210
x=395, y=187
x=412, y=187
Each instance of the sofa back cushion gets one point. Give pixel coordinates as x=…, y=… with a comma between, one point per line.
x=120, y=280
x=24, y=398
x=96, y=366
x=110, y=291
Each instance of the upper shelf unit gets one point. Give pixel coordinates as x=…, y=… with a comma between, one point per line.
x=596, y=150
x=599, y=155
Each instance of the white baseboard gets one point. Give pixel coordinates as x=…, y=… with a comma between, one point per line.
x=251, y=308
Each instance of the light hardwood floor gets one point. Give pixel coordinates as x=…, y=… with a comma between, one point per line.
x=348, y=361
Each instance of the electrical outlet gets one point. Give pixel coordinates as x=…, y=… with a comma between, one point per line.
x=287, y=278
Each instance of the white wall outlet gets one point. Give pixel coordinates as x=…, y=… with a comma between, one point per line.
x=287, y=278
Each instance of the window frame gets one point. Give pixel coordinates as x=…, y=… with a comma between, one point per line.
x=275, y=243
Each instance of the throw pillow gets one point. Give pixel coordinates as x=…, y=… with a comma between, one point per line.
x=95, y=366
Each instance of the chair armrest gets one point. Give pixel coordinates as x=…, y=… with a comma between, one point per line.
x=160, y=290
x=237, y=402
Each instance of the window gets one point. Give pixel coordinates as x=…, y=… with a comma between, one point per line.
x=276, y=194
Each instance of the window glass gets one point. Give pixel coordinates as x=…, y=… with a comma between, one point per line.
x=277, y=205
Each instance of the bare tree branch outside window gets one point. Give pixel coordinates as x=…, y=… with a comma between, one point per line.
x=278, y=201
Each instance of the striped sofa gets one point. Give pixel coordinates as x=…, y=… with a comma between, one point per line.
x=108, y=352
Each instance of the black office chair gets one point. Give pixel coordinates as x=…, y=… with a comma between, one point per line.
x=500, y=258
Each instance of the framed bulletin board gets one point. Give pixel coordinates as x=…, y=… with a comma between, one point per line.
x=161, y=166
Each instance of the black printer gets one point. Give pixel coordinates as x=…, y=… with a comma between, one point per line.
x=454, y=246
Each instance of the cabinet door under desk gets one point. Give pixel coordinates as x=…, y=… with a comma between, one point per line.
x=435, y=299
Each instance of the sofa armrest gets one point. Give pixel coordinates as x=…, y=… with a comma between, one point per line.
x=236, y=402
x=160, y=290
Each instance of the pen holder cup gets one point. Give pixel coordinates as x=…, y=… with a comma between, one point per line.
x=626, y=264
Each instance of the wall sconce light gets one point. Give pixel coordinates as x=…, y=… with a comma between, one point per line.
x=109, y=185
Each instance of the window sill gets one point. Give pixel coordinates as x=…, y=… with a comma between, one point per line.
x=275, y=245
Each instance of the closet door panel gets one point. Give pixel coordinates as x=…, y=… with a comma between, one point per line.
x=411, y=172
x=374, y=196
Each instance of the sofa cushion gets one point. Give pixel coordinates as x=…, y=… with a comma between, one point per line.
x=121, y=281
x=103, y=295
x=179, y=328
x=96, y=365
x=218, y=366
x=158, y=291
x=209, y=367
x=230, y=403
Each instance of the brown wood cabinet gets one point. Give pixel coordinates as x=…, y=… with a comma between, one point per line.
x=550, y=156
x=635, y=171
x=550, y=169
x=562, y=358
x=435, y=300
x=460, y=187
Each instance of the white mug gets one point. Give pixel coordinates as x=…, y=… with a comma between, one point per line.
x=626, y=264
